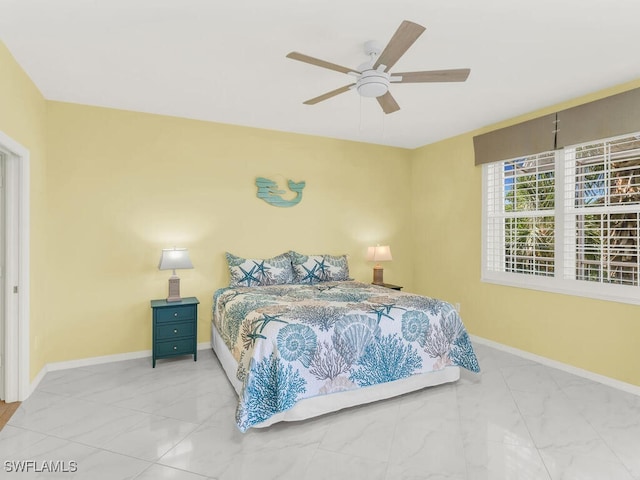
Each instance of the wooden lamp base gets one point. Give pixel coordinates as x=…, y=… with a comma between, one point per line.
x=174, y=289
x=377, y=275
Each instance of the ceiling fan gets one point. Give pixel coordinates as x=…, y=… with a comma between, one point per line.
x=373, y=77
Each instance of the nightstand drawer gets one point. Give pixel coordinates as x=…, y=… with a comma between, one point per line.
x=175, y=330
x=176, y=347
x=169, y=314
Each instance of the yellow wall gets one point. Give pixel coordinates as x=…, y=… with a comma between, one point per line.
x=23, y=117
x=110, y=189
x=124, y=185
x=594, y=335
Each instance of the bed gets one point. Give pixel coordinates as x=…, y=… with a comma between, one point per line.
x=295, y=348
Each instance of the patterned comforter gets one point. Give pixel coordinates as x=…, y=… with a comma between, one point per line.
x=299, y=341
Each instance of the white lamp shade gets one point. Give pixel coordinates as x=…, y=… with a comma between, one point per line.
x=175, y=259
x=379, y=253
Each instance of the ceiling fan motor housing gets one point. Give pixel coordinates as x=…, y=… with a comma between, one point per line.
x=373, y=83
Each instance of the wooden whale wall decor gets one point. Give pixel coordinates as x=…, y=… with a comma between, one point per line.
x=269, y=192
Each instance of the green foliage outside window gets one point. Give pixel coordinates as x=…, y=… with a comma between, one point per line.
x=528, y=228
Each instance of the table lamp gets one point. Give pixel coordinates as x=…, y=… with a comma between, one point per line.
x=379, y=253
x=174, y=259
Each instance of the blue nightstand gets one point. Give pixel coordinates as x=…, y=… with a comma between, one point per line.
x=175, y=328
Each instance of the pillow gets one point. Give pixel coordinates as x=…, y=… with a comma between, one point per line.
x=319, y=268
x=255, y=272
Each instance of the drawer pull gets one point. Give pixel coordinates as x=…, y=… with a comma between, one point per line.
x=175, y=347
x=175, y=314
x=175, y=330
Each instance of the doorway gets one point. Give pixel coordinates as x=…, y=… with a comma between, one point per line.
x=3, y=360
x=14, y=284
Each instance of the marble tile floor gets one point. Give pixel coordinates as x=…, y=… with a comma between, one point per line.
x=517, y=420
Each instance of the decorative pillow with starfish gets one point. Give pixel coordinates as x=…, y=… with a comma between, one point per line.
x=256, y=272
x=319, y=268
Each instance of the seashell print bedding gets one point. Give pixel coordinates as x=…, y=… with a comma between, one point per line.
x=297, y=341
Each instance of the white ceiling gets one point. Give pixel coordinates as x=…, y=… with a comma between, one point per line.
x=225, y=61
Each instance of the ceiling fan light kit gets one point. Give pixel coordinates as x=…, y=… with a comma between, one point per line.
x=373, y=77
x=373, y=83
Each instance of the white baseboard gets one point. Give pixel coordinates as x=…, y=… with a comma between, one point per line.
x=611, y=382
x=86, y=362
x=36, y=381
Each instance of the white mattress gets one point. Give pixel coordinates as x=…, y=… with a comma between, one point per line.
x=314, y=406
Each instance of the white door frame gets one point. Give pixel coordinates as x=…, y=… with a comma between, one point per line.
x=16, y=314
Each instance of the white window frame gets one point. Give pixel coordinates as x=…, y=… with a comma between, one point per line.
x=557, y=283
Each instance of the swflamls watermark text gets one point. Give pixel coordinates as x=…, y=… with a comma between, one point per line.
x=40, y=466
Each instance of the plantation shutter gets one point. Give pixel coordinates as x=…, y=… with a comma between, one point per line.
x=602, y=211
x=521, y=215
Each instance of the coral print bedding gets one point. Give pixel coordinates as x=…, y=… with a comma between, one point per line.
x=295, y=341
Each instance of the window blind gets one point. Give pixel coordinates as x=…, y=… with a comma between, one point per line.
x=521, y=215
x=602, y=185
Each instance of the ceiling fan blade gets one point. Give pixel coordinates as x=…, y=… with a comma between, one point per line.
x=328, y=95
x=457, y=75
x=319, y=63
x=388, y=103
x=407, y=33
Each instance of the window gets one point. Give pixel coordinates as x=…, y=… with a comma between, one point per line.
x=603, y=208
x=521, y=218
x=566, y=221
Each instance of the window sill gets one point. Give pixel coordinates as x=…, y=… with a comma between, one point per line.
x=612, y=293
